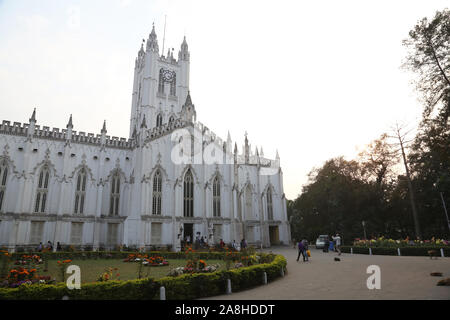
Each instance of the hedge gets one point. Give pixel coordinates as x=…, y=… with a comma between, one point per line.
x=116, y=255
x=404, y=251
x=189, y=286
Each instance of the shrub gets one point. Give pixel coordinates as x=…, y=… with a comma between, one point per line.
x=189, y=286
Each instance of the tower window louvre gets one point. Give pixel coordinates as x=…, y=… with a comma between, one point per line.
x=188, y=192
x=216, y=197
x=157, y=188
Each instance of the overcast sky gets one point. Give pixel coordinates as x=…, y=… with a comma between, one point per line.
x=313, y=79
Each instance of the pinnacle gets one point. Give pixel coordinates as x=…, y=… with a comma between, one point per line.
x=69, y=124
x=33, y=116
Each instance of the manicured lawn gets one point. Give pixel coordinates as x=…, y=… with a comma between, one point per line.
x=91, y=269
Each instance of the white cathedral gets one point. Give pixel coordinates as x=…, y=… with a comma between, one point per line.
x=171, y=179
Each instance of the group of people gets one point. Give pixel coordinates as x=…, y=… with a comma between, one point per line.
x=334, y=245
x=49, y=246
x=303, y=247
x=238, y=247
x=201, y=242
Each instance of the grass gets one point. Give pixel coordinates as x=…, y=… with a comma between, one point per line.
x=91, y=269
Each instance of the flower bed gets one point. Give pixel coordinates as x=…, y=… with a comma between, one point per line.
x=185, y=286
x=156, y=261
x=392, y=251
x=401, y=243
x=153, y=261
x=28, y=259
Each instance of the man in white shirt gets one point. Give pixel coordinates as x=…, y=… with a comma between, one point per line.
x=337, y=240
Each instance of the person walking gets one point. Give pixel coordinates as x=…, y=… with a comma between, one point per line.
x=327, y=245
x=337, y=238
x=58, y=246
x=305, y=249
x=301, y=251
x=40, y=247
x=243, y=244
x=331, y=247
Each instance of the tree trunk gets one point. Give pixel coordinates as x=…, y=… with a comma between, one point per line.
x=411, y=192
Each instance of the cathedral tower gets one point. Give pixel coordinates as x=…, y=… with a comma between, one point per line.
x=160, y=86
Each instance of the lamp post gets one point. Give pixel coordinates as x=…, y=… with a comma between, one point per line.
x=445, y=209
x=438, y=186
x=364, y=227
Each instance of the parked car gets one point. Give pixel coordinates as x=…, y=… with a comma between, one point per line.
x=321, y=240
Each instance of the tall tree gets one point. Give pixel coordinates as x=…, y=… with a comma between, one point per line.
x=428, y=57
x=401, y=136
x=378, y=160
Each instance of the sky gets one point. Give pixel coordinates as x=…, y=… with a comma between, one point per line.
x=311, y=79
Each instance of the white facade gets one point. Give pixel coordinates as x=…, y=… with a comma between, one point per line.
x=101, y=191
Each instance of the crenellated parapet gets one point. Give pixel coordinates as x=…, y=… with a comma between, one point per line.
x=19, y=129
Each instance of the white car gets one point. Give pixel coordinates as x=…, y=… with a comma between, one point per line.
x=321, y=241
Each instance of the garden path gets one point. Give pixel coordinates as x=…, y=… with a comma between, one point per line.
x=324, y=278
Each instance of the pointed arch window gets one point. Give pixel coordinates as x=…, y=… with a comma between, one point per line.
x=171, y=119
x=115, y=195
x=248, y=203
x=188, y=192
x=80, y=193
x=161, y=81
x=42, y=190
x=159, y=120
x=3, y=180
x=269, y=204
x=157, y=188
x=173, y=84
x=216, y=197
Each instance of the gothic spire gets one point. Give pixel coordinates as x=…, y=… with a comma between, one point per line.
x=188, y=99
x=69, y=124
x=184, y=54
x=277, y=156
x=143, y=124
x=141, y=51
x=33, y=116
x=246, y=149
x=104, y=127
x=152, y=42
x=188, y=109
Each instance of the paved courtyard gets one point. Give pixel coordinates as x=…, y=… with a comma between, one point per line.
x=323, y=278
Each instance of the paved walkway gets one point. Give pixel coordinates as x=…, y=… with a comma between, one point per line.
x=324, y=278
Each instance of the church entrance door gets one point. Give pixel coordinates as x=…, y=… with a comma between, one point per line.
x=189, y=233
x=274, y=235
